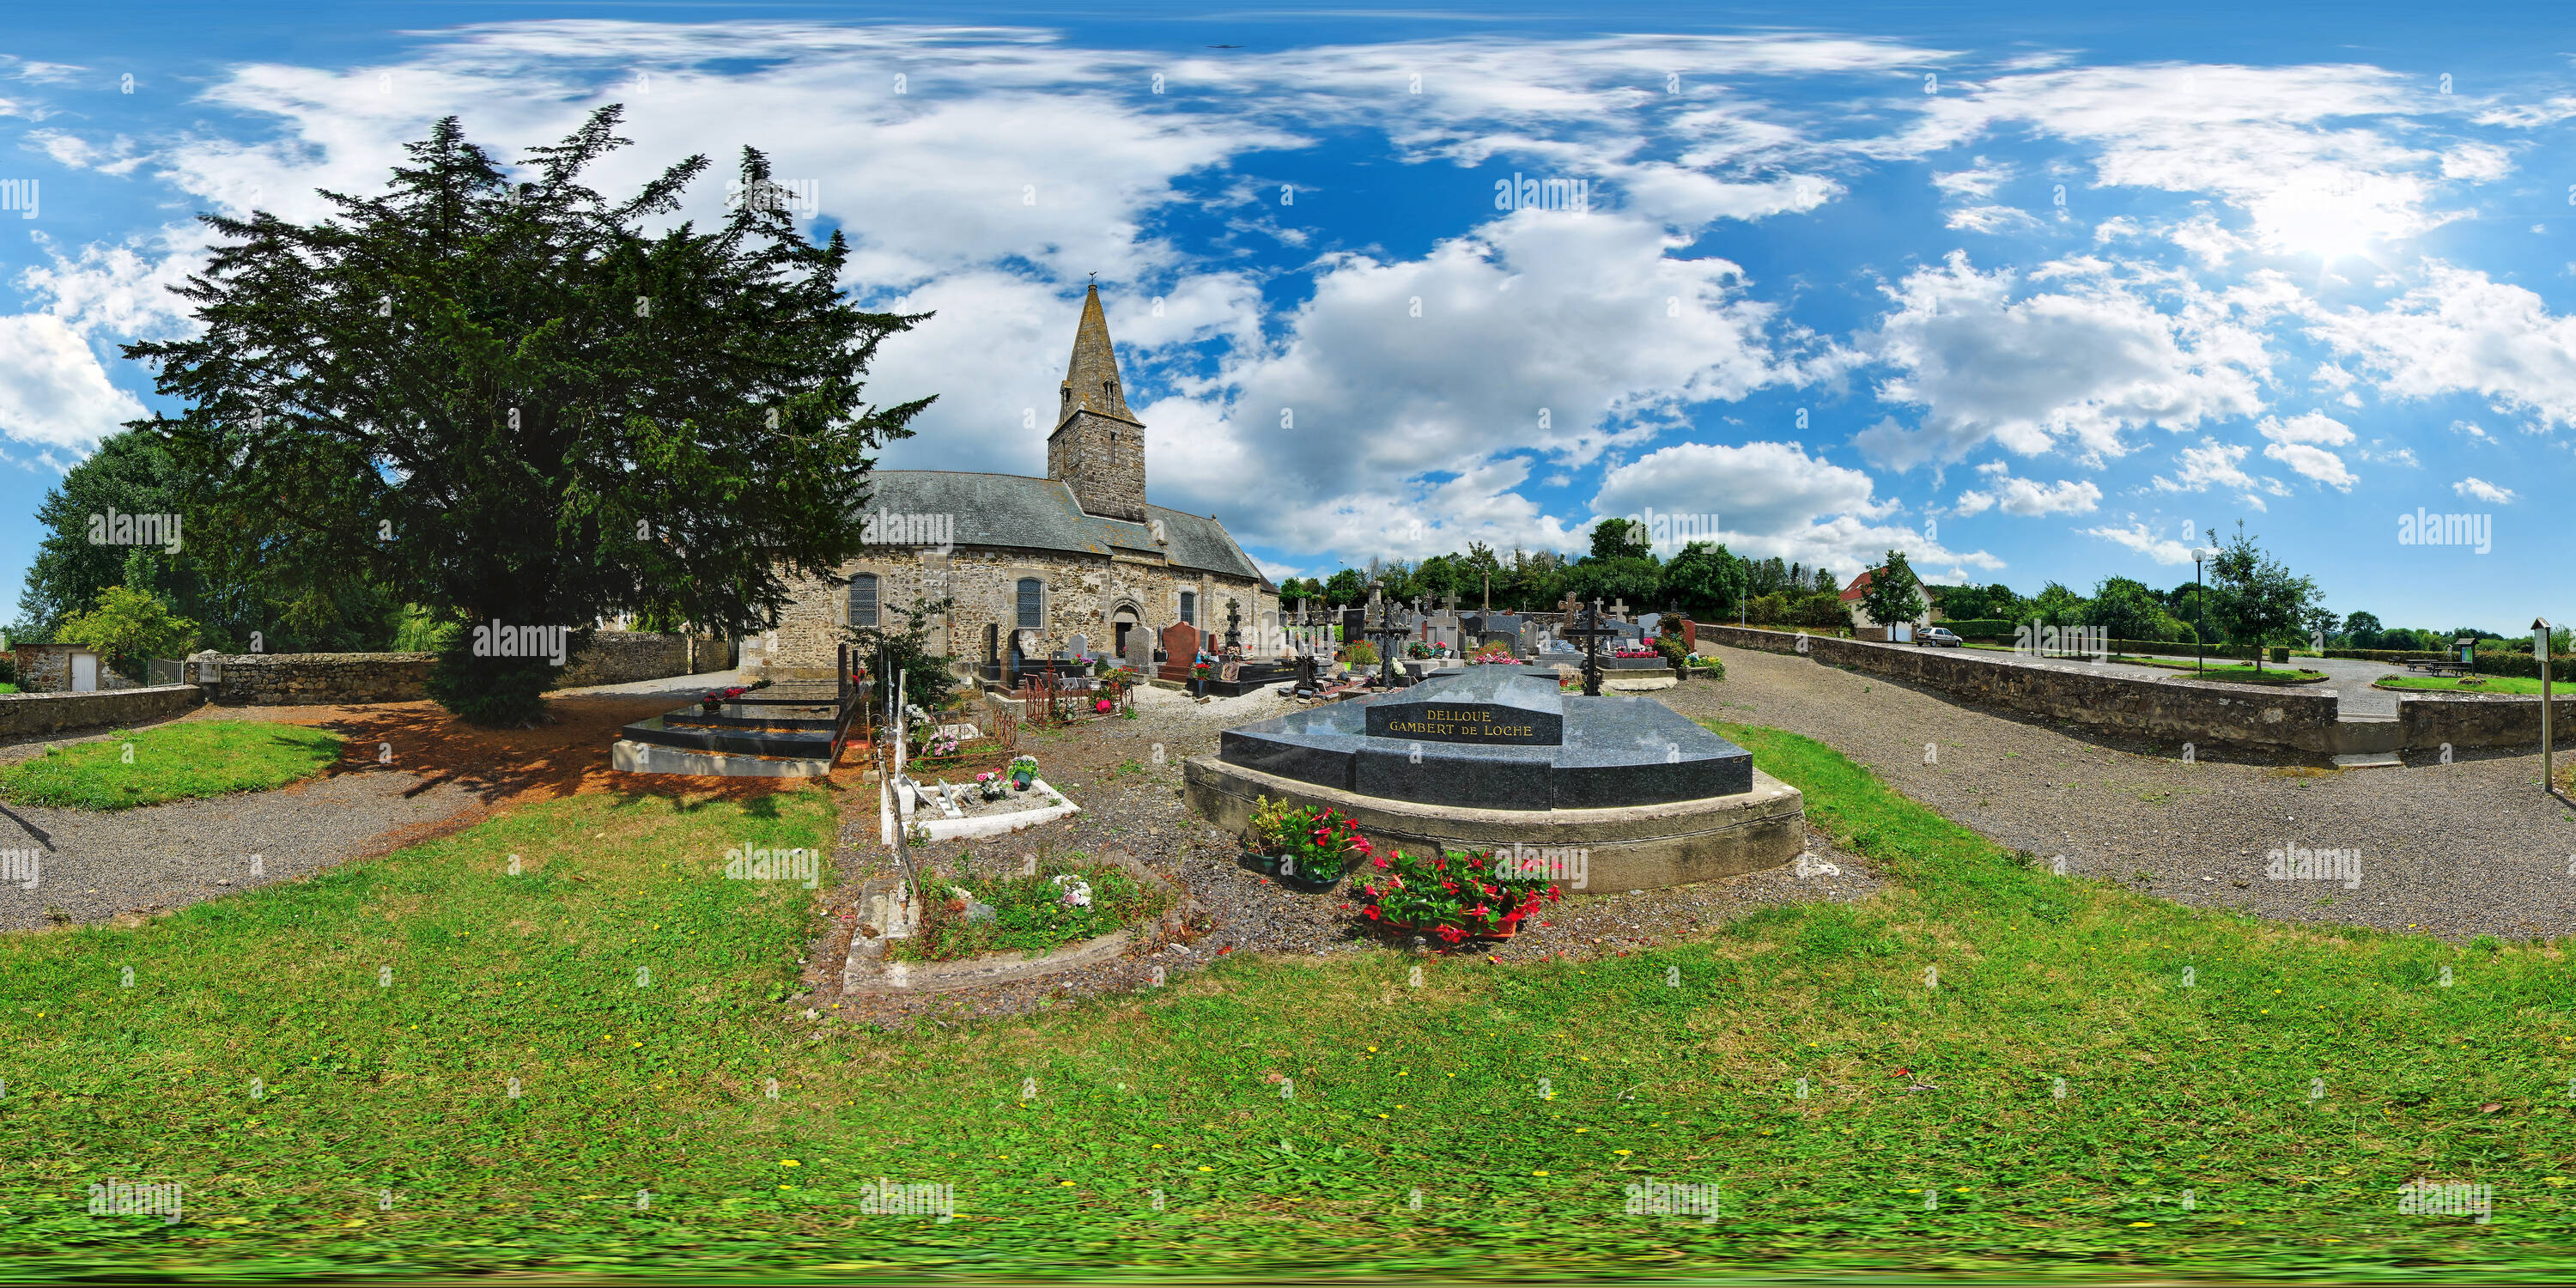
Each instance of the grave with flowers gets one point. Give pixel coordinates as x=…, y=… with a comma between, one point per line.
x=1607, y=793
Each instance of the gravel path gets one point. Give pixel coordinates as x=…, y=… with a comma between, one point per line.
x=1126, y=775
x=128, y=865
x=2455, y=850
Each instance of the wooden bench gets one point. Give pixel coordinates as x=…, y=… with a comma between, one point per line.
x=2439, y=666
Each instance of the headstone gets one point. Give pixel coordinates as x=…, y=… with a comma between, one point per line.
x=1180, y=650
x=1649, y=623
x=1140, y=650
x=1493, y=705
x=1080, y=648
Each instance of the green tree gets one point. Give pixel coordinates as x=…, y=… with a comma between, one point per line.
x=1634, y=578
x=1618, y=539
x=1345, y=588
x=129, y=627
x=1706, y=580
x=1892, y=594
x=507, y=397
x=1990, y=603
x=1436, y=577
x=2125, y=609
x=2265, y=599
x=887, y=651
x=2361, y=630
x=2055, y=605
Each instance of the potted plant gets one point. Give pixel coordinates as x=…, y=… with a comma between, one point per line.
x=1457, y=896
x=1024, y=770
x=1310, y=847
x=989, y=785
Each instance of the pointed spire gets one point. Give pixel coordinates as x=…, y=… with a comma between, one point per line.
x=1091, y=380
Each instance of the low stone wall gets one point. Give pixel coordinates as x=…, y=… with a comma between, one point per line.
x=624, y=657
x=2167, y=710
x=2482, y=720
x=37, y=713
x=330, y=679
x=311, y=679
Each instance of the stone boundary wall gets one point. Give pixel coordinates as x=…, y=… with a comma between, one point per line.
x=331, y=679
x=2167, y=710
x=40, y=713
x=310, y=679
x=2480, y=720
x=623, y=657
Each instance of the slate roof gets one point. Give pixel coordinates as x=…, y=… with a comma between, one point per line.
x=1041, y=514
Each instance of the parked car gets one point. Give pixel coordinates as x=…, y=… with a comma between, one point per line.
x=1937, y=637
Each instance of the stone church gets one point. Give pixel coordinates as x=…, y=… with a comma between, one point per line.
x=1071, y=564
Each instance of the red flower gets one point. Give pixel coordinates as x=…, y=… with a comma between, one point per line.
x=1371, y=911
x=1380, y=862
x=1450, y=934
x=1481, y=912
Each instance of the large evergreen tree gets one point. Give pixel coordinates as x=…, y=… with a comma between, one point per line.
x=506, y=397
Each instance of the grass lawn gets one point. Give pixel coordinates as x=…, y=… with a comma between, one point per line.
x=2493, y=684
x=170, y=762
x=2236, y=1095
x=2242, y=672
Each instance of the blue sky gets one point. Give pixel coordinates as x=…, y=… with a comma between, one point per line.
x=2030, y=293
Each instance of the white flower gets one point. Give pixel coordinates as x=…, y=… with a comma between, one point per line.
x=1077, y=892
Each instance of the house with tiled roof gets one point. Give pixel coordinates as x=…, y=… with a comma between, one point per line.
x=1860, y=618
x=1069, y=564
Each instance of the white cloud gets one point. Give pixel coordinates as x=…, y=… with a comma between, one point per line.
x=1979, y=180
x=2462, y=332
x=2472, y=429
x=2478, y=489
x=2313, y=462
x=2211, y=464
x=53, y=393
x=2083, y=365
x=2279, y=143
x=2029, y=498
x=1773, y=499
x=2164, y=550
x=1542, y=333
x=1990, y=219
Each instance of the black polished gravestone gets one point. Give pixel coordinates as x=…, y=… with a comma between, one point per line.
x=1492, y=705
x=1495, y=738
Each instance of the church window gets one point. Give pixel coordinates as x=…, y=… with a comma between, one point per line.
x=863, y=599
x=1190, y=607
x=1032, y=604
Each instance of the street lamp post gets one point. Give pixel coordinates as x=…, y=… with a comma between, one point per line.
x=2199, y=598
x=2540, y=650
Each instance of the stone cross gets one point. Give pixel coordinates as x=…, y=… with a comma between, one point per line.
x=1233, y=626
x=1449, y=602
x=1591, y=633
x=1386, y=633
x=1618, y=609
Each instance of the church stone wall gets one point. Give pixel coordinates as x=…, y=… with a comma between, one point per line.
x=1081, y=597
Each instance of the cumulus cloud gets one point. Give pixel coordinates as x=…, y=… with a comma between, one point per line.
x=2137, y=536
x=2478, y=489
x=53, y=392
x=2463, y=332
x=1771, y=498
x=2081, y=365
x=2301, y=442
x=2029, y=498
